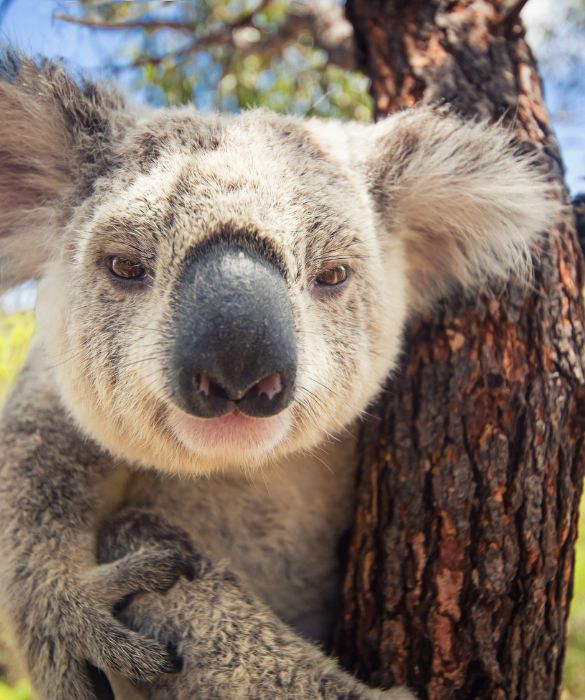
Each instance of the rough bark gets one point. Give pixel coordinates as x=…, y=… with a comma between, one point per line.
x=460, y=565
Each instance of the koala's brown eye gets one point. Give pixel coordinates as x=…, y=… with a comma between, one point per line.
x=332, y=277
x=125, y=268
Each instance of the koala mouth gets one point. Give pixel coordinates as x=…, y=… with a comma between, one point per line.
x=231, y=435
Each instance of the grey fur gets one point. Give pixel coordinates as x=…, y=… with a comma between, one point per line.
x=237, y=569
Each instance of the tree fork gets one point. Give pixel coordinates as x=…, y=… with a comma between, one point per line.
x=460, y=565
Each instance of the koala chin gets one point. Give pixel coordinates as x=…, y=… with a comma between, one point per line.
x=220, y=298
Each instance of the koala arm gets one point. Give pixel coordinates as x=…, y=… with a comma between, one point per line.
x=57, y=603
x=232, y=645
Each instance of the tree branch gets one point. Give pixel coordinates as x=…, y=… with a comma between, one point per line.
x=222, y=36
x=146, y=25
x=509, y=11
x=326, y=24
x=157, y=24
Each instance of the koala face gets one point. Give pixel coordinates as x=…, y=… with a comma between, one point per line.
x=219, y=291
x=224, y=294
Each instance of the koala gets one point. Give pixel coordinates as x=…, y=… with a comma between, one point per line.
x=220, y=298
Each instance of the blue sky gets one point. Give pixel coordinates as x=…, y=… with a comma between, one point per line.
x=29, y=24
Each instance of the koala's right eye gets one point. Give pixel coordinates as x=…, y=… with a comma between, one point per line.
x=125, y=268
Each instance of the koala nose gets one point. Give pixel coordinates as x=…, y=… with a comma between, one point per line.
x=235, y=344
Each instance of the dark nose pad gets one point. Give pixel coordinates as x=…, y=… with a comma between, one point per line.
x=236, y=345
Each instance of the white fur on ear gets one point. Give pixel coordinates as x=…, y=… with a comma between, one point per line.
x=33, y=180
x=51, y=129
x=467, y=198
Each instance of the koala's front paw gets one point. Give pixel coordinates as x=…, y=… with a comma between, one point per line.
x=73, y=627
x=141, y=552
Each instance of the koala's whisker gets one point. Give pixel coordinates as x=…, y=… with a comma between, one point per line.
x=265, y=482
x=144, y=396
x=151, y=375
x=141, y=360
x=135, y=361
x=153, y=334
x=314, y=397
x=333, y=256
x=326, y=433
x=134, y=325
x=324, y=386
x=128, y=244
x=80, y=308
x=304, y=402
x=308, y=417
x=341, y=427
x=361, y=412
x=329, y=249
x=155, y=344
x=67, y=359
x=87, y=353
x=319, y=449
x=310, y=413
x=322, y=462
x=351, y=250
x=341, y=258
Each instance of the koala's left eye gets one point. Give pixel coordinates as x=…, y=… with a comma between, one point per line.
x=332, y=277
x=126, y=269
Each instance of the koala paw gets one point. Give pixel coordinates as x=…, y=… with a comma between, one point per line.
x=140, y=552
x=79, y=636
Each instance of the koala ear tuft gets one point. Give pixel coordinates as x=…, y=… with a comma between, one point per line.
x=54, y=138
x=468, y=200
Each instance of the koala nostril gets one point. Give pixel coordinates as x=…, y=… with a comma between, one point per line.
x=270, y=386
x=204, y=383
x=268, y=396
x=208, y=387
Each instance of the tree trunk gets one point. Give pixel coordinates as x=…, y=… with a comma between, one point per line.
x=460, y=567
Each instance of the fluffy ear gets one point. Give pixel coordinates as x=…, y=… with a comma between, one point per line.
x=54, y=137
x=467, y=199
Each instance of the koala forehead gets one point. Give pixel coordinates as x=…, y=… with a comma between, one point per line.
x=257, y=173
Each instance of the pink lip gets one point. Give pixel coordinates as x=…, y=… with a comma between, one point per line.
x=234, y=431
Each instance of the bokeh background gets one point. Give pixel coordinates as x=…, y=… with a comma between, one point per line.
x=235, y=54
